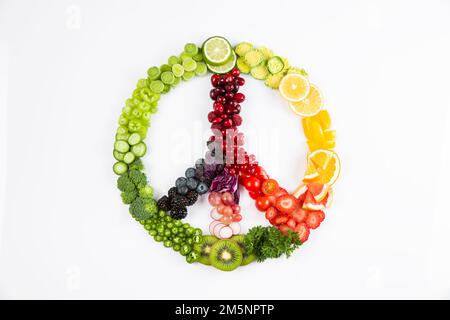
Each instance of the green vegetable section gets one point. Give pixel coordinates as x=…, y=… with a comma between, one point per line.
x=263, y=65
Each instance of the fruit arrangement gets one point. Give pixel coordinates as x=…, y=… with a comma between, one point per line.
x=226, y=165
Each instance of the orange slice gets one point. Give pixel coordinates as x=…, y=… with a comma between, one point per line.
x=309, y=106
x=327, y=167
x=294, y=87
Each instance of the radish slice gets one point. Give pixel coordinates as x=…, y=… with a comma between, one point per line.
x=225, y=232
x=236, y=227
x=217, y=229
x=212, y=226
x=215, y=214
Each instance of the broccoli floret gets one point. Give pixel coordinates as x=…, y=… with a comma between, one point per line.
x=125, y=184
x=151, y=207
x=137, y=165
x=137, y=209
x=146, y=192
x=139, y=178
x=128, y=196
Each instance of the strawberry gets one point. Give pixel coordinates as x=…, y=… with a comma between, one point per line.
x=299, y=215
x=321, y=215
x=303, y=232
x=271, y=213
x=313, y=219
x=286, y=203
x=284, y=229
x=280, y=219
x=291, y=224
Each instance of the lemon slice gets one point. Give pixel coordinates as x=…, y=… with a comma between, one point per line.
x=294, y=87
x=309, y=106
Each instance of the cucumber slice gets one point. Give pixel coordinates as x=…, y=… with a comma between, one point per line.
x=153, y=73
x=165, y=67
x=191, y=49
x=188, y=75
x=121, y=146
x=157, y=86
x=242, y=66
x=227, y=67
x=201, y=69
x=118, y=155
x=216, y=50
x=260, y=72
x=273, y=80
x=167, y=77
x=267, y=53
x=129, y=157
x=253, y=58
x=134, y=138
x=139, y=150
x=120, y=168
x=275, y=65
x=177, y=70
x=242, y=48
x=189, y=64
x=122, y=136
x=173, y=60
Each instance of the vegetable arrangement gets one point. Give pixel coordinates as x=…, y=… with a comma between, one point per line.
x=227, y=165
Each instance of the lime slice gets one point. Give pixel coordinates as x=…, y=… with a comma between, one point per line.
x=177, y=70
x=188, y=75
x=216, y=50
x=224, y=68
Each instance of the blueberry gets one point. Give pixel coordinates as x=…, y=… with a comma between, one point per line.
x=192, y=183
x=181, y=181
x=202, y=188
x=190, y=173
x=182, y=190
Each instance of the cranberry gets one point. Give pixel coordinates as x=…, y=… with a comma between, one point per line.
x=239, y=97
x=211, y=116
x=235, y=88
x=230, y=110
x=240, y=81
x=238, y=108
x=228, y=123
x=237, y=119
x=218, y=108
x=224, y=116
x=215, y=80
x=235, y=72
x=217, y=120
x=230, y=96
x=229, y=78
x=229, y=87
x=213, y=94
x=216, y=125
x=221, y=99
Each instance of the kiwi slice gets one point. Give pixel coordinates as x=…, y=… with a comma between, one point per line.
x=226, y=255
x=204, y=248
x=246, y=257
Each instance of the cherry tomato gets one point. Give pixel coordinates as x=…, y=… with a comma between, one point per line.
x=286, y=203
x=261, y=173
x=255, y=195
x=262, y=203
x=269, y=186
x=252, y=184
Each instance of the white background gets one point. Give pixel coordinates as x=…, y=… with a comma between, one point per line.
x=66, y=68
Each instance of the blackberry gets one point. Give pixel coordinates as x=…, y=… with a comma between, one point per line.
x=192, y=197
x=178, y=213
x=179, y=201
x=163, y=203
x=172, y=192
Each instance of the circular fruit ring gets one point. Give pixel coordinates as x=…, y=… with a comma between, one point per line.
x=292, y=215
